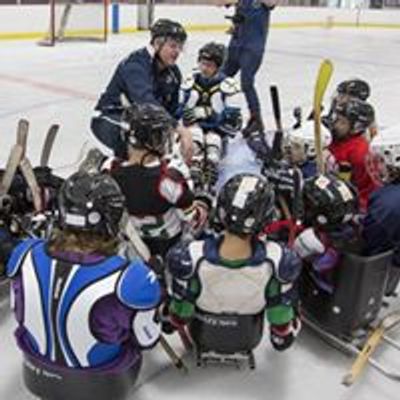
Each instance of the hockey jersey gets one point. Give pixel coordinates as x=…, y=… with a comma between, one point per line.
x=203, y=279
x=221, y=97
x=354, y=151
x=158, y=197
x=77, y=311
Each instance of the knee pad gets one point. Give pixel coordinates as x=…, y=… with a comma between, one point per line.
x=213, y=143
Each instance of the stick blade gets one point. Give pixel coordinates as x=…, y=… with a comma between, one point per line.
x=22, y=133
x=29, y=175
x=324, y=76
x=13, y=161
x=48, y=145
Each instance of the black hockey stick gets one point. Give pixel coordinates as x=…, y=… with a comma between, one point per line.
x=278, y=137
x=277, y=154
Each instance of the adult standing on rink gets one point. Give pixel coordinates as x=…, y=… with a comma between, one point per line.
x=147, y=75
x=246, y=50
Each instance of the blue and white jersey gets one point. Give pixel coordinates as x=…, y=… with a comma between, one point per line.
x=220, y=95
x=70, y=312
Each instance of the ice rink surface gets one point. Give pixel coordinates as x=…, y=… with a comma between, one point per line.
x=61, y=85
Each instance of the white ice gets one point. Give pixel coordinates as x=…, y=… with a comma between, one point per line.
x=61, y=85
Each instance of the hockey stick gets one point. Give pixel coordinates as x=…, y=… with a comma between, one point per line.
x=323, y=78
x=10, y=169
x=22, y=134
x=176, y=360
x=388, y=322
x=29, y=175
x=48, y=145
x=278, y=137
x=277, y=154
x=79, y=159
x=25, y=165
x=140, y=248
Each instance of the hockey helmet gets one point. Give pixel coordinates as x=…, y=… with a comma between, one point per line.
x=386, y=156
x=149, y=126
x=214, y=52
x=91, y=202
x=355, y=88
x=168, y=29
x=245, y=204
x=328, y=201
x=359, y=113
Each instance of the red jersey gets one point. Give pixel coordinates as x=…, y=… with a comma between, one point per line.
x=355, y=151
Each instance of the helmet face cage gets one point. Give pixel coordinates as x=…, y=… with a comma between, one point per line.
x=386, y=162
x=168, y=29
x=295, y=149
x=214, y=52
x=150, y=127
x=91, y=203
x=245, y=204
x=328, y=201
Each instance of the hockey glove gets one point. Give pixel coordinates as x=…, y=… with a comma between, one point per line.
x=308, y=244
x=283, y=336
x=192, y=115
x=283, y=179
x=6, y=203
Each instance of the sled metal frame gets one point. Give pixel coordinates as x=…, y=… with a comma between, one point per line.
x=238, y=360
x=353, y=346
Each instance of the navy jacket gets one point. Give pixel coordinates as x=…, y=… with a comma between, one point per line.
x=140, y=79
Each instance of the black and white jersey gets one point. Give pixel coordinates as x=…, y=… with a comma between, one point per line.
x=158, y=197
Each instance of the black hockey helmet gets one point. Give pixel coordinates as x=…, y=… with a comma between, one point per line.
x=91, y=202
x=149, y=126
x=168, y=29
x=214, y=52
x=328, y=201
x=360, y=114
x=355, y=88
x=245, y=204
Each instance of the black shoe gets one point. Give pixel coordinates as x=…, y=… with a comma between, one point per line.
x=254, y=124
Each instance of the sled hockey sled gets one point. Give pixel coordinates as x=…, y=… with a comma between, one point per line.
x=227, y=339
x=56, y=384
x=345, y=318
